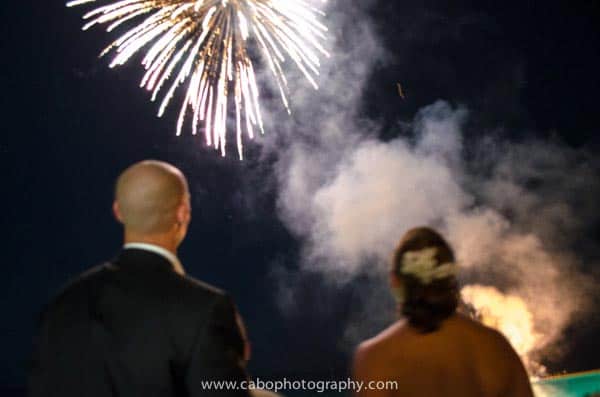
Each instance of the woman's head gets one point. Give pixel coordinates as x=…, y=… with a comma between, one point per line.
x=423, y=273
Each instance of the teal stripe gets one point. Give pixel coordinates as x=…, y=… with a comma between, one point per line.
x=575, y=385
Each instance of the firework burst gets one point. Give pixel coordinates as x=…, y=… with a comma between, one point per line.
x=204, y=44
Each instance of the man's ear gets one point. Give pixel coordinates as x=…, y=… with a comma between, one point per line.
x=182, y=214
x=117, y=211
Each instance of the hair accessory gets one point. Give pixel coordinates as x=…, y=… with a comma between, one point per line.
x=422, y=264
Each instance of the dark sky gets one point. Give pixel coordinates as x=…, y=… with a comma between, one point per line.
x=71, y=125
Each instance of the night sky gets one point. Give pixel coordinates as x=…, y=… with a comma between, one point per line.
x=70, y=125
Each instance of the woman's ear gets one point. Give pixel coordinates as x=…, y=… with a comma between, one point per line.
x=394, y=280
x=397, y=287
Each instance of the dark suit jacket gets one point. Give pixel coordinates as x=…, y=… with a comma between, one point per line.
x=134, y=327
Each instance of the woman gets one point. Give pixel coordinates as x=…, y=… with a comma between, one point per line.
x=432, y=350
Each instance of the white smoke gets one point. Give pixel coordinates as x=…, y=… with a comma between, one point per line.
x=505, y=207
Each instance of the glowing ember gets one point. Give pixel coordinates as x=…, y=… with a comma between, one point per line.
x=510, y=315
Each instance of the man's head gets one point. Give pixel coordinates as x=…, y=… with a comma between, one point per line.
x=152, y=202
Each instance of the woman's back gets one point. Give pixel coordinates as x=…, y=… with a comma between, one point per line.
x=435, y=351
x=461, y=358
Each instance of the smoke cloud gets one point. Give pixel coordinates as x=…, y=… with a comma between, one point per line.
x=515, y=212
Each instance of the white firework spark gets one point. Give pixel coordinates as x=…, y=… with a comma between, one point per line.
x=204, y=44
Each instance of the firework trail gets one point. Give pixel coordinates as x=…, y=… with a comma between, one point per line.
x=204, y=43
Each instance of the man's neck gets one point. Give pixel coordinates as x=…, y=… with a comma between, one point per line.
x=162, y=241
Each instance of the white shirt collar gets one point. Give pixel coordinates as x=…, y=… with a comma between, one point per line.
x=160, y=251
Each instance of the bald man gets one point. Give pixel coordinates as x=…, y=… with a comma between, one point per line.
x=138, y=326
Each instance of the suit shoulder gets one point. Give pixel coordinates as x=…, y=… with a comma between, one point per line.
x=192, y=284
x=80, y=283
x=197, y=290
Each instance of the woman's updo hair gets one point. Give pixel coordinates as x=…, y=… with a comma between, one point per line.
x=426, y=306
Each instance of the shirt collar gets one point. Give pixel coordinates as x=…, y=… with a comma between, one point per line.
x=172, y=258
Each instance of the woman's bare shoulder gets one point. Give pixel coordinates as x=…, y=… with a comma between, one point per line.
x=466, y=324
x=373, y=355
x=380, y=342
x=499, y=364
x=487, y=341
